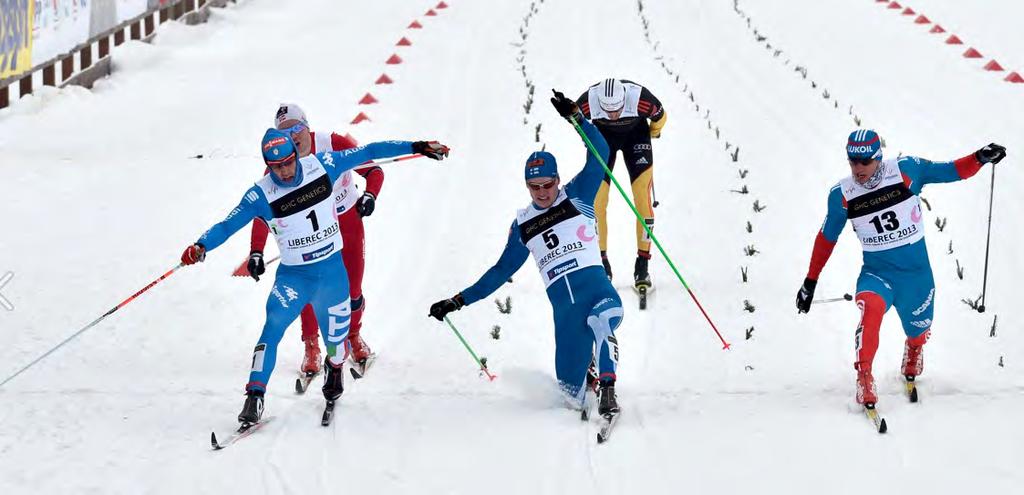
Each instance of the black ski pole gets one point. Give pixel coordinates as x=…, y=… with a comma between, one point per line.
x=988, y=237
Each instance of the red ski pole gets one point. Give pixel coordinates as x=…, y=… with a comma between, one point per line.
x=94, y=323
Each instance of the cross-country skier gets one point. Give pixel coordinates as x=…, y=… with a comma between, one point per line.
x=351, y=208
x=621, y=111
x=297, y=201
x=558, y=229
x=880, y=199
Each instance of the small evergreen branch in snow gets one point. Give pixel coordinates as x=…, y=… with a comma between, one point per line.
x=750, y=227
x=750, y=333
x=496, y=332
x=743, y=272
x=973, y=304
x=926, y=203
x=736, y=155
x=747, y=306
x=1001, y=361
x=992, y=333
x=950, y=247
x=504, y=308
x=941, y=224
x=742, y=190
x=758, y=208
x=959, y=271
x=750, y=250
x=743, y=172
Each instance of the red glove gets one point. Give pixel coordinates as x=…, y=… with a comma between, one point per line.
x=193, y=254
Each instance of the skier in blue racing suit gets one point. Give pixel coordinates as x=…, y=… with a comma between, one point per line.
x=559, y=229
x=297, y=202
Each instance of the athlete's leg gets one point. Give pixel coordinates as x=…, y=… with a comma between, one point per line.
x=354, y=255
x=602, y=320
x=639, y=160
x=874, y=296
x=290, y=293
x=310, y=341
x=915, y=303
x=333, y=311
x=601, y=202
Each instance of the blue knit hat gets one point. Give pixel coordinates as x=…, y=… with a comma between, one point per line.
x=541, y=164
x=279, y=149
x=864, y=144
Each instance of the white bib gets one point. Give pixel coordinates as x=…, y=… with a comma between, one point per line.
x=304, y=220
x=561, y=239
x=346, y=192
x=887, y=216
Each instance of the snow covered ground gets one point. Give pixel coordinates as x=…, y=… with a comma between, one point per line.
x=102, y=193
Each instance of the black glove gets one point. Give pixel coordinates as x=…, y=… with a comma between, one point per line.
x=992, y=153
x=805, y=295
x=440, y=309
x=565, y=107
x=255, y=265
x=430, y=149
x=366, y=204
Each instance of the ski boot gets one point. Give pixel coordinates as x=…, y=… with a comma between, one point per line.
x=913, y=356
x=607, y=404
x=311, y=361
x=641, y=278
x=866, y=393
x=360, y=351
x=334, y=381
x=607, y=265
x=252, y=411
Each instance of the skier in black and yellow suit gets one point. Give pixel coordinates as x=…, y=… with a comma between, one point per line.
x=621, y=110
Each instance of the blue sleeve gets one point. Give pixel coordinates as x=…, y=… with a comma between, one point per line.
x=836, y=218
x=254, y=204
x=338, y=162
x=921, y=172
x=584, y=186
x=513, y=257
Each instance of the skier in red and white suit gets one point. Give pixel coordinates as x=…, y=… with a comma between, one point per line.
x=351, y=208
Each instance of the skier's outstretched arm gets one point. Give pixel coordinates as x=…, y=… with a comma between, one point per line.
x=513, y=257
x=824, y=243
x=927, y=172
x=586, y=183
x=252, y=205
x=339, y=162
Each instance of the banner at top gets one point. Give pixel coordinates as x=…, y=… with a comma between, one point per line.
x=58, y=26
x=15, y=37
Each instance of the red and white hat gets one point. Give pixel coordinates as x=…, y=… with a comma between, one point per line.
x=289, y=111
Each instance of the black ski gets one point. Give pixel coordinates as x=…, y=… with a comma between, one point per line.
x=875, y=418
x=328, y=413
x=243, y=431
x=303, y=381
x=911, y=388
x=607, y=422
x=359, y=368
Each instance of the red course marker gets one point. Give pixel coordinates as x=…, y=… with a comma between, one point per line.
x=908, y=11
x=953, y=40
x=972, y=53
x=384, y=79
x=895, y=5
x=430, y=13
x=394, y=60
x=937, y=29
x=1014, y=78
x=994, y=66
x=415, y=25
x=922, y=20
x=443, y=5
x=403, y=42
x=359, y=118
x=368, y=99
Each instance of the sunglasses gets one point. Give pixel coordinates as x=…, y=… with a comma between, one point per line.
x=537, y=187
x=862, y=161
x=295, y=129
x=276, y=164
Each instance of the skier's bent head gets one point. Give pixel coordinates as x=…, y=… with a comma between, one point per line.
x=280, y=155
x=542, y=178
x=864, y=152
x=291, y=119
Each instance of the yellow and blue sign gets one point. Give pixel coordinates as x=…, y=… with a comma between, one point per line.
x=15, y=37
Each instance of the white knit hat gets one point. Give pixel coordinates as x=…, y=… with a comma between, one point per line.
x=289, y=111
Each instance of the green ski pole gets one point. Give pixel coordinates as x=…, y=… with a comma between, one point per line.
x=483, y=367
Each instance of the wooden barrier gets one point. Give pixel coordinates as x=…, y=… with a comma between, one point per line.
x=140, y=28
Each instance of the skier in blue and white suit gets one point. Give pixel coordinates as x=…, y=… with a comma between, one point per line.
x=559, y=229
x=296, y=201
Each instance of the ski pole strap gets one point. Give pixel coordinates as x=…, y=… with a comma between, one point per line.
x=647, y=228
x=483, y=367
x=94, y=323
